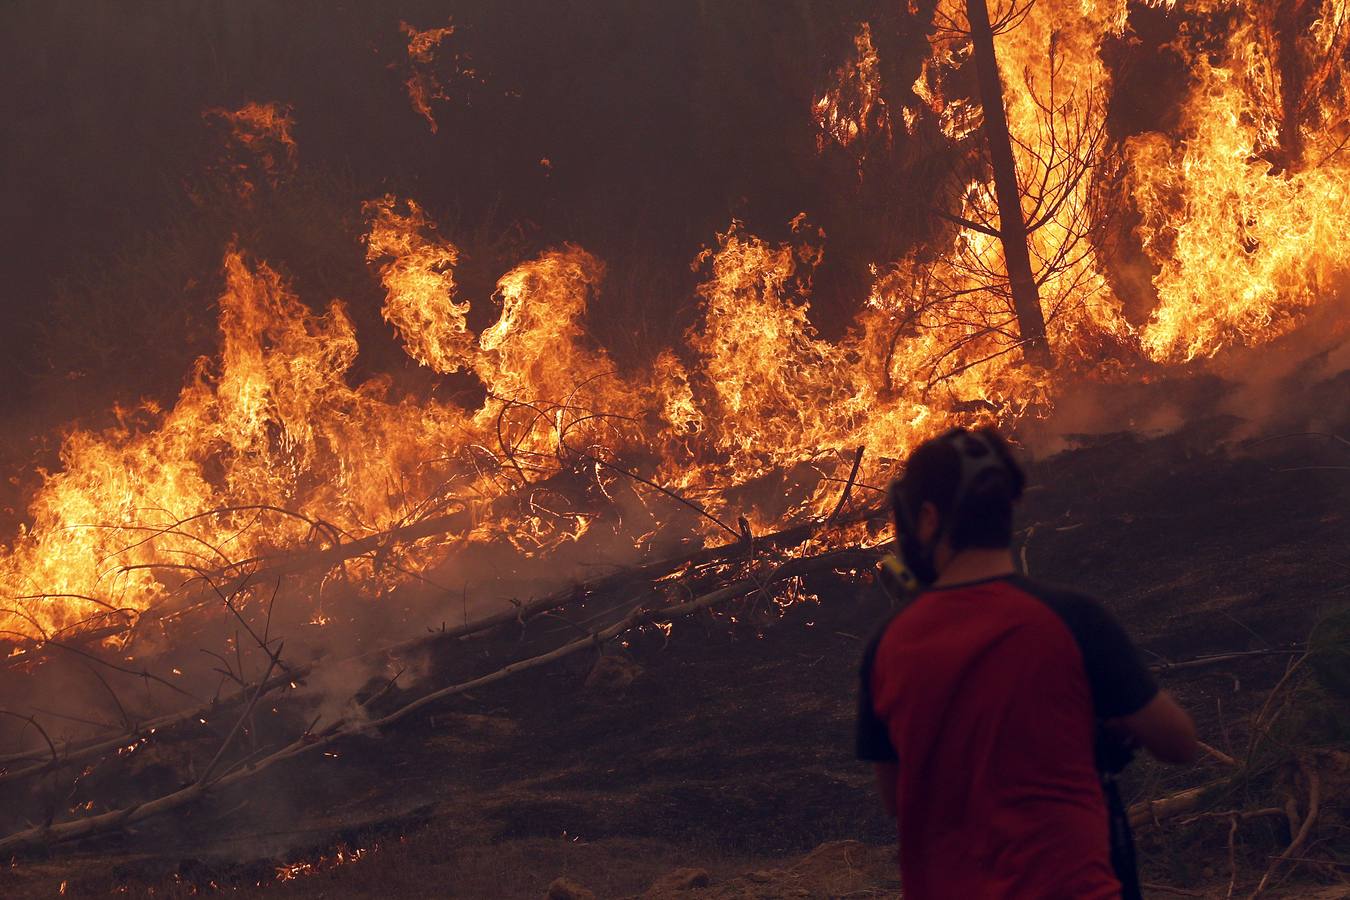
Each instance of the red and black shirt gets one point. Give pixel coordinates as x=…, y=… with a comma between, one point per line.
x=988, y=696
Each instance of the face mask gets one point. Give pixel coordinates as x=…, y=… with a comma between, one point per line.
x=896, y=578
x=916, y=558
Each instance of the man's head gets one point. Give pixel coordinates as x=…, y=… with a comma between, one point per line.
x=957, y=493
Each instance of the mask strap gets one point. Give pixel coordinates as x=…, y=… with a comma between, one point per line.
x=973, y=467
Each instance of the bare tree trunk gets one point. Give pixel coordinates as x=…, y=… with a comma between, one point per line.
x=1288, y=19
x=1012, y=226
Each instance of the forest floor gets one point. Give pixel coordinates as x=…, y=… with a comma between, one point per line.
x=730, y=752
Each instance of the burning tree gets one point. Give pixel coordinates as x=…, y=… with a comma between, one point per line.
x=1012, y=229
x=1019, y=166
x=1301, y=81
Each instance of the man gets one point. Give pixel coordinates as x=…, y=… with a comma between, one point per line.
x=984, y=701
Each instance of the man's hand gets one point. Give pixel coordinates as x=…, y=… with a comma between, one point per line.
x=1163, y=728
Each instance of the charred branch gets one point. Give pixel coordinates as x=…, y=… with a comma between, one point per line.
x=645, y=608
x=628, y=579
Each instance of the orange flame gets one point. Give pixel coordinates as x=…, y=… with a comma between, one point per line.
x=269, y=447
x=266, y=447
x=423, y=84
x=261, y=142
x=853, y=105
x=1242, y=247
x=420, y=281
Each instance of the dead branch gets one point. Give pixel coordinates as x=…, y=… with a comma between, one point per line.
x=307, y=742
x=292, y=563
x=1264, y=720
x=848, y=486
x=91, y=748
x=72, y=752
x=1217, y=754
x=1314, y=784
x=963, y=221
x=664, y=490
x=1243, y=814
x=117, y=701
x=239, y=723
x=1201, y=662
x=31, y=720
x=57, y=714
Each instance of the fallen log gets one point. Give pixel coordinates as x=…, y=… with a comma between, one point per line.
x=1168, y=889
x=70, y=753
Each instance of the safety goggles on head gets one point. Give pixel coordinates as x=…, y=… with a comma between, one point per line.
x=913, y=568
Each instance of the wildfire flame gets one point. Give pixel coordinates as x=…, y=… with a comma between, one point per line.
x=852, y=107
x=420, y=282
x=270, y=447
x=1243, y=245
x=260, y=144
x=424, y=83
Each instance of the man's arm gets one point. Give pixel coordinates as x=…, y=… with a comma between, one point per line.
x=873, y=739
x=1163, y=728
x=1124, y=693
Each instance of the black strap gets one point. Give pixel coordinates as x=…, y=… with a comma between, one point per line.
x=1122, y=842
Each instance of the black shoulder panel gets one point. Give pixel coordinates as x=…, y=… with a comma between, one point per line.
x=1121, y=683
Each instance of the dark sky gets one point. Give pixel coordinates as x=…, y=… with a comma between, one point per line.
x=662, y=120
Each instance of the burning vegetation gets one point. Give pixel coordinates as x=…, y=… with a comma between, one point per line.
x=270, y=447
x=257, y=146
x=424, y=66
x=288, y=493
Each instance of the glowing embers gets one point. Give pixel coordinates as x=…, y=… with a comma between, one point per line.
x=342, y=855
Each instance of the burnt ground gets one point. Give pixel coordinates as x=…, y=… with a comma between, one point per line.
x=731, y=750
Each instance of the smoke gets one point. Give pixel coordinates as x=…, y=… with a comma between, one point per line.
x=1294, y=383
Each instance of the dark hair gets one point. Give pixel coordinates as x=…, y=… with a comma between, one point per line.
x=933, y=475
